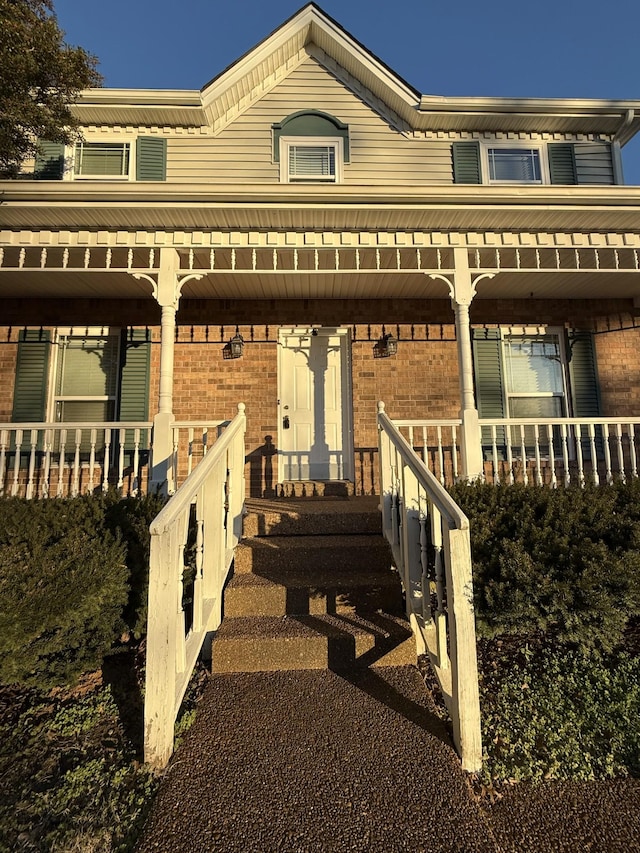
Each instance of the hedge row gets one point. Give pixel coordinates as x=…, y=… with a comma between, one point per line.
x=563, y=563
x=73, y=578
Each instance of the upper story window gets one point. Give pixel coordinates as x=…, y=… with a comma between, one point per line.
x=309, y=159
x=310, y=147
x=102, y=160
x=142, y=159
x=514, y=165
x=529, y=162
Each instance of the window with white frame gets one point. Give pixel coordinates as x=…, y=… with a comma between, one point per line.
x=308, y=159
x=86, y=377
x=110, y=160
x=534, y=376
x=515, y=164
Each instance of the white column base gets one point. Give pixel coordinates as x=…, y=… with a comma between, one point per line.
x=162, y=478
x=471, y=446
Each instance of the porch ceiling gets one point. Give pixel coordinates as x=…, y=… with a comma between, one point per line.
x=93, y=284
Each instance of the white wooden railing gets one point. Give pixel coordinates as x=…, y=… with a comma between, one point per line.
x=554, y=452
x=437, y=443
x=56, y=460
x=561, y=451
x=429, y=538
x=67, y=459
x=205, y=514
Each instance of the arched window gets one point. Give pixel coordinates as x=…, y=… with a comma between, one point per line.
x=310, y=146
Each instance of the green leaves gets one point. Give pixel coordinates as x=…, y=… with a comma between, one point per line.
x=557, y=713
x=40, y=77
x=564, y=563
x=63, y=584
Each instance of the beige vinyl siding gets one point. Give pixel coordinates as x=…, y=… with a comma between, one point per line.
x=242, y=153
x=594, y=164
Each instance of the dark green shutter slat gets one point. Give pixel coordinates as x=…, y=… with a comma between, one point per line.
x=151, y=159
x=594, y=163
x=134, y=379
x=487, y=362
x=49, y=165
x=32, y=369
x=584, y=376
x=585, y=391
x=562, y=163
x=466, y=163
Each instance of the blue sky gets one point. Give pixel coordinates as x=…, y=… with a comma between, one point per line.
x=551, y=48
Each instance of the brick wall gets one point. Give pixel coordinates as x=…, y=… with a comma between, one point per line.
x=8, y=356
x=421, y=381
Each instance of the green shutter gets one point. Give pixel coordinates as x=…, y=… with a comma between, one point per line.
x=583, y=375
x=151, y=158
x=49, y=165
x=466, y=163
x=562, y=163
x=487, y=363
x=32, y=369
x=585, y=391
x=134, y=378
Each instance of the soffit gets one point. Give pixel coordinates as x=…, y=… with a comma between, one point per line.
x=64, y=205
x=140, y=107
x=91, y=284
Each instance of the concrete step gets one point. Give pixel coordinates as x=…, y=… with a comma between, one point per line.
x=315, y=488
x=272, y=555
x=311, y=592
x=336, y=642
x=308, y=517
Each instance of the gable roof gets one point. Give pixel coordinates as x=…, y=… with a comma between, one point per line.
x=311, y=32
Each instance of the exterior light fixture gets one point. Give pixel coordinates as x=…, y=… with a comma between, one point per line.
x=234, y=348
x=385, y=346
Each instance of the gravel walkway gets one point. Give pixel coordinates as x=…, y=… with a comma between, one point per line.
x=310, y=762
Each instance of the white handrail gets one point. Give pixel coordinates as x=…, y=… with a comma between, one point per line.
x=211, y=500
x=429, y=538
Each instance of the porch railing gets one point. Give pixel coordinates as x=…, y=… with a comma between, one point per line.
x=561, y=451
x=429, y=537
x=62, y=459
x=192, y=542
x=554, y=452
x=67, y=459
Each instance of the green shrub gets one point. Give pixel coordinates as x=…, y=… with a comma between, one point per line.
x=63, y=585
x=563, y=562
x=559, y=713
x=130, y=518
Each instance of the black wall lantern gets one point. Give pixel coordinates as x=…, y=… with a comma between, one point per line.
x=385, y=346
x=234, y=348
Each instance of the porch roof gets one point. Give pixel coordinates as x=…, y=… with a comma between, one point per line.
x=95, y=205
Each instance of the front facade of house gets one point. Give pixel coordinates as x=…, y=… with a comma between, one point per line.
x=463, y=260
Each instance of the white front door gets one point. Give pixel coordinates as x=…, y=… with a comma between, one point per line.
x=314, y=433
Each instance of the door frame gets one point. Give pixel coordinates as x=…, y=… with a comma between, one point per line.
x=346, y=385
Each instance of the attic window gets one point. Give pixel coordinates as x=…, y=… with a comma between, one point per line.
x=310, y=146
x=308, y=159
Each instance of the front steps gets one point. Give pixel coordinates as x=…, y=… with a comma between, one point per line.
x=312, y=589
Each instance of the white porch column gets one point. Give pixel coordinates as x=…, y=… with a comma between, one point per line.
x=167, y=293
x=463, y=291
